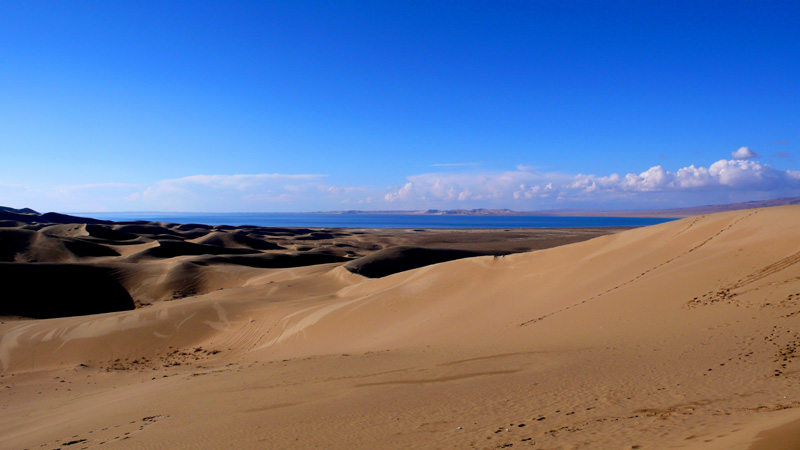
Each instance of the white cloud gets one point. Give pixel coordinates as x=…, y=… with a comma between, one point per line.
x=403, y=193
x=692, y=177
x=537, y=191
x=739, y=173
x=521, y=188
x=744, y=153
x=724, y=180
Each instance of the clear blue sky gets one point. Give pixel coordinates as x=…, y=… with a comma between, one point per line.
x=375, y=105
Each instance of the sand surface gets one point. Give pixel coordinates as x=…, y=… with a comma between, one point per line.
x=679, y=335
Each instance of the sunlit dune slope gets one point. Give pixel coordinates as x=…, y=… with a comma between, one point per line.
x=626, y=283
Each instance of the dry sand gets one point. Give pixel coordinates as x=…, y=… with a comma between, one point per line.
x=679, y=335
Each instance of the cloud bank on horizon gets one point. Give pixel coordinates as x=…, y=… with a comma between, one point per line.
x=523, y=188
x=723, y=181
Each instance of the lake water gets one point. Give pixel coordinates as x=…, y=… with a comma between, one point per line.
x=379, y=220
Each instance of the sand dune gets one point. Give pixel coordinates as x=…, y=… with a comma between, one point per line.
x=277, y=260
x=236, y=240
x=172, y=249
x=150, y=259
x=22, y=245
x=15, y=242
x=680, y=335
x=58, y=290
x=399, y=259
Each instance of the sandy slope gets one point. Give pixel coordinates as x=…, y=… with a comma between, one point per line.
x=681, y=335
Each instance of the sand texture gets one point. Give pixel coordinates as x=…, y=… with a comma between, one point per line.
x=679, y=335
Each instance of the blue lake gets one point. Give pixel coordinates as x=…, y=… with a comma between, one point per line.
x=378, y=220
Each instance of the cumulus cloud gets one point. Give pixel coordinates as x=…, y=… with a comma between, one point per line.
x=403, y=193
x=537, y=191
x=744, y=153
x=520, y=187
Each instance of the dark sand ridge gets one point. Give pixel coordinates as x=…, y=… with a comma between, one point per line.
x=156, y=262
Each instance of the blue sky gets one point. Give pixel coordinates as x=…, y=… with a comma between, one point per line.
x=304, y=106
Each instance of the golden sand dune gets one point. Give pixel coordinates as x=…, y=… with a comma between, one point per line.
x=680, y=335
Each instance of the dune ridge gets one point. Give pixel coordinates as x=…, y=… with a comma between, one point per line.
x=679, y=335
x=157, y=262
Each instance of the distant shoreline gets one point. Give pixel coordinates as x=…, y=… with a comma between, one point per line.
x=670, y=213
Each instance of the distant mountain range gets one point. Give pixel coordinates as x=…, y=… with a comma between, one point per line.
x=663, y=213
x=27, y=215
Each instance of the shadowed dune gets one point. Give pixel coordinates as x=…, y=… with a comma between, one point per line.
x=84, y=249
x=277, y=260
x=193, y=227
x=14, y=242
x=399, y=259
x=285, y=232
x=168, y=280
x=17, y=210
x=27, y=215
x=109, y=234
x=17, y=217
x=148, y=230
x=236, y=239
x=172, y=249
x=30, y=246
x=57, y=290
x=316, y=236
x=64, y=218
